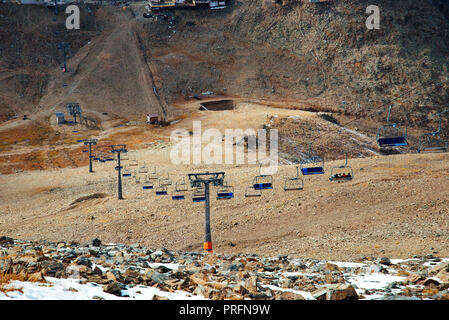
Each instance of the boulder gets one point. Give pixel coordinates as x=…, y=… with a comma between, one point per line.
x=436, y=269
x=156, y=297
x=36, y=277
x=159, y=278
x=111, y=276
x=201, y=290
x=443, y=275
x=286, y=295
x=251, y=284
x=331, y=267
x=163, y=269
x=444, y=296
x=414, y=278
x=95, y=242
x=320, y=294
x=341, y=292
x=336, y=292
x=6, y=240
x=113, y=288
x=83, y=261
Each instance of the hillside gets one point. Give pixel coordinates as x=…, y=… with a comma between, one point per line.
x=318, y=56
x=313, y=72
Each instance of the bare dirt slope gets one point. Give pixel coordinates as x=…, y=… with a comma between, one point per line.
x=396, y=205
x=109, y=74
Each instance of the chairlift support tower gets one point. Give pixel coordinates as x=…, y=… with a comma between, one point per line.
x=90, y=142
x=74, y=110
x=198, y=180
x=65, y=47
x=119, y=149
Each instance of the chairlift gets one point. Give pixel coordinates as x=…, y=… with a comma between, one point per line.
x=136, y=177
x=102, y=158
x=143, y=168
x=342, y=173
x=252, y=192
x=126, y=172
x=177, y=195
x=313, y=164
x=133, y=161
x=199, y=195
x=262, y=181
x=295, y=183
x=180, y=189
x=161, y=191
x=433, y=141
x=147, y=185
x=85, y=150
x=181, y=185
x=226, y=192
x=391, y=135
x=166, y=181
x=124, y=156
x=153, y=175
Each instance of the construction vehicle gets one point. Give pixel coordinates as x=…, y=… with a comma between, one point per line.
x=155, y=5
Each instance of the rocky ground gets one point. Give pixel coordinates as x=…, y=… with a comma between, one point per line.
x=118, y=268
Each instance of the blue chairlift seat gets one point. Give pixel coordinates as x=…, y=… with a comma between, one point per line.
x=161, y=193
x=391, y=134
x=392, y=142
x=147, y=187
x=126, y=174
x=178, y=197
x=199, y=199
x=85, y=150
x=225, y=195
x=263, y=186
x=312, y=170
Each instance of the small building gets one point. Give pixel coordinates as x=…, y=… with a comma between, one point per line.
x=152, y=118
x=60, y=118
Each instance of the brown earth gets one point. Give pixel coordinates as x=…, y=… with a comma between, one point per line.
x=295, y=52
x=283, y=66
x=395, y=206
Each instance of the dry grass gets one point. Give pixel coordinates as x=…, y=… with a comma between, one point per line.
x=6, y=278
x=35, y=134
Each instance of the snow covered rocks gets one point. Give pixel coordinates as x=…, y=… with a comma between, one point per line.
x=46, y=270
